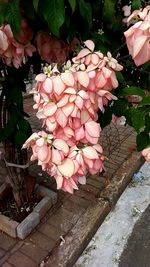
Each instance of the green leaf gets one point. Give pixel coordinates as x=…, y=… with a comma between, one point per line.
x=129, y=63
x=19, y=138
x=105, y=118
x=54, y=14
x=146, y=66
x=120, y=107
x=7, y=131
x=13, y=16
x=24, y=126
x=109, y=10
x=3, y=12
x=35, y=4
x=85, y=11
x=132, y=90
x=15, y=96
x=145, y=101
x=120, y=78
x=127, y=115
x=147, y=124
x=142, y=140
x=136, y=4
x=72, y=4
x=10, y=126
x=138, y=118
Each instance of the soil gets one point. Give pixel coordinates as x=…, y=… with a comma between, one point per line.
x=9, y=208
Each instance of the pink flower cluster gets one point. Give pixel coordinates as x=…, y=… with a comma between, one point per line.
x=67, y=102
x=14, y=51
x=53, y=50
x=138, y=36
x=68, y=165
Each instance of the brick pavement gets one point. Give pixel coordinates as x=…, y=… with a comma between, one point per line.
x=118, y=144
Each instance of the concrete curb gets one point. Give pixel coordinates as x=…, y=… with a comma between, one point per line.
x=80, y=235
x=122, y=178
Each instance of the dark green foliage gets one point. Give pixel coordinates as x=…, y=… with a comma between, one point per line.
x=54, y=14
x=17, y=129
x=136, y=4
x=106, y=117
x=72, y=4
x=120, y=106
x=10, y=13
x=132, y=90
x=142, y=140
x=145, y=101
x=19, y=138
x=85, y=11
x=137, y=117
x=35, y=4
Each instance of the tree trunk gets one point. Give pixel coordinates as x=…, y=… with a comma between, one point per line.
x=16, y=175
x=12, y=158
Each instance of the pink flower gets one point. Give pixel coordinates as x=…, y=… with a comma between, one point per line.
x=12, y=51
x=3, y=41
x=127, y=10
x=92, y=132
x=146, y=154
x=26, y=34
x=46, y=149
x=137, y=37
x=103, y=97
x=134, y=99
x=106, y=79
x=87, y=159
x=141, y=14
x=51, y=49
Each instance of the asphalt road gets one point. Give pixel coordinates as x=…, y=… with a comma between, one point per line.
x=137, y=250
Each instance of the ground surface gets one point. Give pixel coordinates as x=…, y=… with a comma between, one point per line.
x=123, y=240
x=137, y=252
x=67, y=214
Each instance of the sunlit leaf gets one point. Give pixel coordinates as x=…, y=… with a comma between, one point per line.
x=72, y=4
x=35, y=4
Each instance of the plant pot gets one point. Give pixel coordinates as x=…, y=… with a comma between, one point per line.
x=23, y=229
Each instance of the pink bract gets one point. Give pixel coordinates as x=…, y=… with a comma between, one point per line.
x=134, y=99
x=53, y=50
x=67, y=102
x=146, y=154
x=14, y=51
x=137, y=36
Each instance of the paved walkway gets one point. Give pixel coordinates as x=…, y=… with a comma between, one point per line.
x=35, y=250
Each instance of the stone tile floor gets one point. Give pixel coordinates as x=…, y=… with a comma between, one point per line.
x=118, y=144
